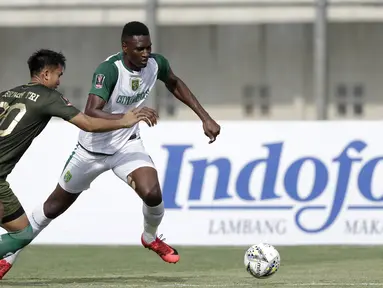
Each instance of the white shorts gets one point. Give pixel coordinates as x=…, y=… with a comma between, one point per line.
x=83, y=167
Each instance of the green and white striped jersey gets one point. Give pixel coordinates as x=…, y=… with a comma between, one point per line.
x=123, y=89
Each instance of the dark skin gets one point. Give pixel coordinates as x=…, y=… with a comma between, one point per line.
x=143, y=180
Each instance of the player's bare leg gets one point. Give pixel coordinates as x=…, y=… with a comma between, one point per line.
x=17, y=224
x=145, y=182
x=14, y=221
x=19, y=235
x=56, y=204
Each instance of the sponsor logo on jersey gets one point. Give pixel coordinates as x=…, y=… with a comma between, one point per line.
x=129, y=100
x=99, y=82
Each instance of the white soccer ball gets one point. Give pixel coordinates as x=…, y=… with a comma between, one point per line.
x=262, y=260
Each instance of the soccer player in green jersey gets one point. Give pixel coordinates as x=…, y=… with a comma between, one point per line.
x=120, y=83
x=24, y=112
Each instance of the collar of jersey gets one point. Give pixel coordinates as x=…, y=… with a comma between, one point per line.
x=126, y=67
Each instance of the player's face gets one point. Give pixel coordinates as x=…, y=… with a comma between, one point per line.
x=138, y=49
x=52, y=76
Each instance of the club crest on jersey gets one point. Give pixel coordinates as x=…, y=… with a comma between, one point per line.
x=135, y=84
x=67, y=176
x=99, y=81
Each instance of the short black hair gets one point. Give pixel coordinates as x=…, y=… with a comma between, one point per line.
x=134, y=28
x=45, y=58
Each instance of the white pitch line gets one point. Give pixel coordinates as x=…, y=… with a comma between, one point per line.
x=206, y=285
x=336, y=284
x=255, y=284
x=275, y=283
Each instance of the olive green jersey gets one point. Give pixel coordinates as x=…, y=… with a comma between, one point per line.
x=24, y=112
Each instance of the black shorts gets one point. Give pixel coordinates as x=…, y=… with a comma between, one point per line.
x=12, y=206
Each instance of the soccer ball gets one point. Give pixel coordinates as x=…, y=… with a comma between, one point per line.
x=262, y=260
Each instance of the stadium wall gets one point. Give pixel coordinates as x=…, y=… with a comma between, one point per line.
x=286, y=183
x=181, y=12
x=220, y=63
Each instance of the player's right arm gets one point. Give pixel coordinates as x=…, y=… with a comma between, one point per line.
x=59, y=106
x=91, y=124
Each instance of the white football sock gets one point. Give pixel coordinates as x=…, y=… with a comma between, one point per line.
x=38, y=221
x=152, y=219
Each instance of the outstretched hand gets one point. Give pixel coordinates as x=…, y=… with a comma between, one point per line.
x=145, y=114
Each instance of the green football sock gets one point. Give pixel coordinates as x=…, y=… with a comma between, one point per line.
x=11, y=242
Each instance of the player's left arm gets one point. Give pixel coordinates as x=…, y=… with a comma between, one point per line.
x=182, y=92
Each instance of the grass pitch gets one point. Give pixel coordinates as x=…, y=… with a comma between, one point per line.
x=309, y=266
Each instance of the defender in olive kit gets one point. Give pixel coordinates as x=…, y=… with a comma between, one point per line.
x=24, y=112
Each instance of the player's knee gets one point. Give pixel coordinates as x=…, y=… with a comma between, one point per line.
x=151, y=195
x=52, y=208
x=58, y=202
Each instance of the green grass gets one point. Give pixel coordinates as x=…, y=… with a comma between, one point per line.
x=71, y=266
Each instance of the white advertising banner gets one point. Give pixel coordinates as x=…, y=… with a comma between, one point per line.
x=286, y=183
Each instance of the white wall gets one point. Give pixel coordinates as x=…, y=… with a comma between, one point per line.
x=179, y=12
x=286, y=183
x=218, y=61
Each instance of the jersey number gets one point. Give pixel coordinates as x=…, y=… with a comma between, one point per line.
x=5, y=111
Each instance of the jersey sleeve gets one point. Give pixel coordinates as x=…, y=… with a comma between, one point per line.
x=104, y=80
x=58, y=106
x=163, y=67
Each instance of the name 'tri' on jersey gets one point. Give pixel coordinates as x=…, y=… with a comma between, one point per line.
x=24, y=112
x=122, y=89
